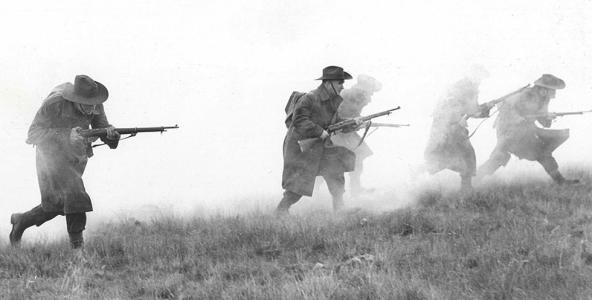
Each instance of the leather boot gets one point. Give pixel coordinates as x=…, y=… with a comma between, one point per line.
x=559, y=179
x=338, y=203
x=18, y=228
x=288, y=199
x=76, y=240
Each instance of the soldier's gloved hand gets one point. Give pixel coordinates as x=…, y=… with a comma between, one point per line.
x=112, y=134
x=75, y=137
x=324, y=135
x=484, y=109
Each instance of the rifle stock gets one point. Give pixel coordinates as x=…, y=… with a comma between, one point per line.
x=307, y=144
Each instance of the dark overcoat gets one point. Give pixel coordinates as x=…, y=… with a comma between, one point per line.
x=313, y=113
x=517, y=132
x=60, y=165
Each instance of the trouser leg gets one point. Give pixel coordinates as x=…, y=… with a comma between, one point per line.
x=355, y=181
x=37, y=216
x=496, y=159
x=288, y=199
x=465, y=182
x=22, y=221
x=552, y=168
x=75, y=224
x=336, y=183
x=470, y=162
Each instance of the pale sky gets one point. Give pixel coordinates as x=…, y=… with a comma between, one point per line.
x=223, y=70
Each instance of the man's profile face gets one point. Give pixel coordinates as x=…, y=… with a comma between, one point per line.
x=337, y=85
x=86, y=109
x=546, y=92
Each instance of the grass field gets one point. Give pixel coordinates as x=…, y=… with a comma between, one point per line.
x=525, y=240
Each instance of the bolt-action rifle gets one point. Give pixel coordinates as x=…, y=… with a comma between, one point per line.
x=349, y=124
x=484, y=108
x=132, y=131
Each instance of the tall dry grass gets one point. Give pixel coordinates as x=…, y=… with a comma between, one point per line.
x=528, y=240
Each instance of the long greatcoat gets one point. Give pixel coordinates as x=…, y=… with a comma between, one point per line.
x=60, y=165
x=313, y=113
x=449, y=146
x=354, y=100
x=517, y=132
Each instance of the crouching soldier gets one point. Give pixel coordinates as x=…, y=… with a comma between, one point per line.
x=312, y=114
x=62, y=154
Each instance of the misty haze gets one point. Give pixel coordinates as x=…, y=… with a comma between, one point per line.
x=224, y=71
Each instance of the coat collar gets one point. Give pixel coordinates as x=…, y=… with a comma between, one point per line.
x=325, y=95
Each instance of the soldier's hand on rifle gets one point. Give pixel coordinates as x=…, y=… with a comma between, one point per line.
x=77, y=139
x=324, y=135
x=75, y=136
x=484, y=110
x=112, y=134
x=359, y=121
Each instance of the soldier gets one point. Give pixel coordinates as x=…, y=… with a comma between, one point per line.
x=518, y=134
x=449, y=146
x=62, y=154
x=312, y=114
x=354, y=100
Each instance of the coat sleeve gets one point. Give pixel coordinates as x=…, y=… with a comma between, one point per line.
x=303, y=123
x=41, y=130
x=545, y=121
x=100, y=121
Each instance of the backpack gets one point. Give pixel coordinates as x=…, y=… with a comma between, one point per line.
x=291, y=105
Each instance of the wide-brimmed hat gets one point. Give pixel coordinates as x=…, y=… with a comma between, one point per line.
x=551, y=82
x=368, y=83
x=334, y=73
x=85, y=91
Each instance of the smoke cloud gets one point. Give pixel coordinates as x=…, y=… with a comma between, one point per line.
x=224, y=71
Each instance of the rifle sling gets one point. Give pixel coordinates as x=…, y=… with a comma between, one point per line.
x=125, y=138
x=365, y=133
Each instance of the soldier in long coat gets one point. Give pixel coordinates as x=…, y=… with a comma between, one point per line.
x=518, y=134
x=62, y=154
x=312, y=114
x=449, y=146
x=354, y=100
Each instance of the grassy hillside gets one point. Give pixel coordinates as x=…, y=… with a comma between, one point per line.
x=509, y=241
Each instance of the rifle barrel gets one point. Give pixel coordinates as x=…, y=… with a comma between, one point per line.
x=500, y=99
x=374, y=124
x=380, y=114
x=145, y=129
